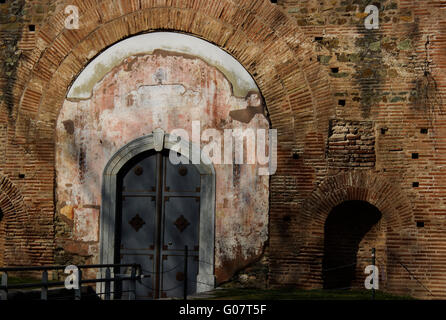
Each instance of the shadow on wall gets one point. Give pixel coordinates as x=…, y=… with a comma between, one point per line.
x=346, y=226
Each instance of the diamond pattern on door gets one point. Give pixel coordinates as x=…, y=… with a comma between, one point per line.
x=137, y=222
x=181, y=223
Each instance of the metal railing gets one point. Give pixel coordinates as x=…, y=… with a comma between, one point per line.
x=45, y=284
x=373, y=260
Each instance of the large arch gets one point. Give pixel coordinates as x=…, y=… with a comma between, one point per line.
x=158, y=140
x=265, y=40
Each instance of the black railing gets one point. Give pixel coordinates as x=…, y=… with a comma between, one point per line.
x=45, y=284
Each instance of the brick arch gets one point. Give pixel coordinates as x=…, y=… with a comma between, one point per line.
x=268, y=43
x=258, y=34
x=365, y=186
x=13, y=242
x=396, y=225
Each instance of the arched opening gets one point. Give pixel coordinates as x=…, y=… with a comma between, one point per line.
x=350, y=227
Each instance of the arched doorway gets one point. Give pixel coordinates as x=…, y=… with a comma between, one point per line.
x=190, y=88
x=349, y=227
x=152, y=209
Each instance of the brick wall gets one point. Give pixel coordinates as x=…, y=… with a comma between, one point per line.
x=394, y=79
x=314, y=62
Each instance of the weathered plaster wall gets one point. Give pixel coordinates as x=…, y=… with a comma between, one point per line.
x=241, y=80
x=144, y=92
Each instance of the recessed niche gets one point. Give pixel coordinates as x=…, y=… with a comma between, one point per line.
x=415, y=184
x=335, y=70
x=32, y=28
x=415, y=155
x=295, y=155
x=420, y=224
x=318, y=38
x=341, y=102
x=424, y=130
x=21, y=176
x=384, y=130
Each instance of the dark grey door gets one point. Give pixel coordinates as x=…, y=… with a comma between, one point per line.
x=160, y=211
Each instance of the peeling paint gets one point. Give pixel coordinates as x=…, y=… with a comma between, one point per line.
x=241, y=81
x=68, y=212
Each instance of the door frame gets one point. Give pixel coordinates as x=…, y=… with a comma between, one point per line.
x=158, y=140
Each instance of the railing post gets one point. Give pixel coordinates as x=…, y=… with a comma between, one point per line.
x=374, y=270
x=4, y=292
x=107, y=284
x=78, y=291
x=132, y=287
x=44, y=292
x=185, y=272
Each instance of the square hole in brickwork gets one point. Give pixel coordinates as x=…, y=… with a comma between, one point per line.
x=32, y=28
x=318, y=38
x=415, y=184
x=335, y=70
x=420, y=224
x=341, y=102
x=415, y=155
x=21, y=176
x=384, y=130
x=273, y=1
x=424, y=130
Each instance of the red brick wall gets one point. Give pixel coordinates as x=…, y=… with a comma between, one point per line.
x=393, y=77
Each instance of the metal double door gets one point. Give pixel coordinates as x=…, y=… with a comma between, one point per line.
x=160, y=211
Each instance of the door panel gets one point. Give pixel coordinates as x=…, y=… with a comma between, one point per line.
x=181, y=215
x=181, y=177
x=173, y=275
x=141, y=177
x=138, y=223
x=144, y=289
